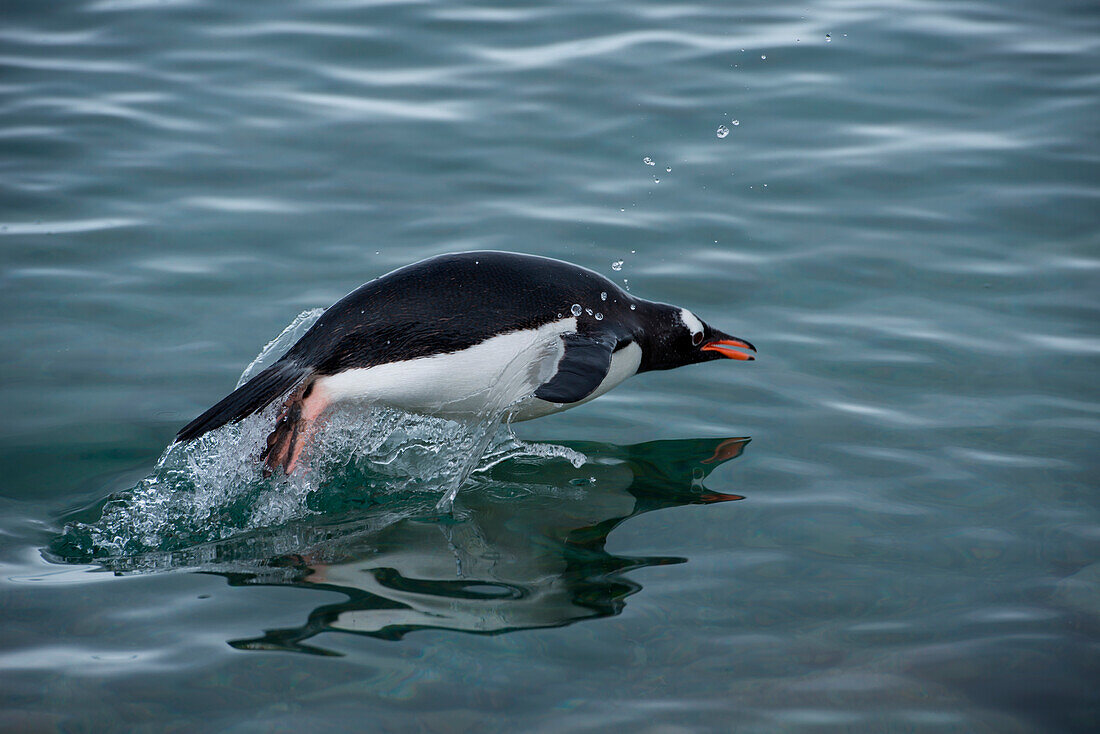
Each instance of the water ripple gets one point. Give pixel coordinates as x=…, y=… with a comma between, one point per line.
x=84, y=225
x=359, y=107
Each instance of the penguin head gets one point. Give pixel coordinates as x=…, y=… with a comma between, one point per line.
x=675, y=337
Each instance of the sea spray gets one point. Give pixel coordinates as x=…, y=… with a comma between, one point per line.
x=213, y=487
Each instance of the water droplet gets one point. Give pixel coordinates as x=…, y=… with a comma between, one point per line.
x=735, y=123
x=559, y=315
x=632, y=307
x=599, y=316
x=656, y=180
x=622, y=209
x=588, y=311
x=633, y=251
x=603, y=295
x=668, y=169
x=617, y=265
x=722, y=131
x=648, y=161
x=626, y=283
x=763, y=57
x=828, y=38
x=576, y=309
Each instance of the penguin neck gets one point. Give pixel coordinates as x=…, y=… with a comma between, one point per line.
x=658, y=322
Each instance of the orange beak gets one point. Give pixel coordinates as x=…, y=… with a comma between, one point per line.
x=728, y=348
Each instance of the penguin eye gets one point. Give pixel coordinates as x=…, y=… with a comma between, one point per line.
x=696, y=338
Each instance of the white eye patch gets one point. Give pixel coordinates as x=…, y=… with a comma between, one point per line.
x=694, y=325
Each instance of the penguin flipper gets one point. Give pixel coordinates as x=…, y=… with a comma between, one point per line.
x=581, y=369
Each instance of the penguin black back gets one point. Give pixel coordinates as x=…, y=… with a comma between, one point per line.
x=452, y=302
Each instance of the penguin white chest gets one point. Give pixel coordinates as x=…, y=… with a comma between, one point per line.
x=498, y=374
x=478, y=380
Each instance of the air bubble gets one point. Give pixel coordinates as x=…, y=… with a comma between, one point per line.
x=668, y=169
x=603, y=295
x=599, y=316
x=632, y=307
x=735, y=123
x=763, y=57
x=576, y=309
x=617, y=265
x=656, y=180
x=828, y=38
x=722, y=131
x=588, y=311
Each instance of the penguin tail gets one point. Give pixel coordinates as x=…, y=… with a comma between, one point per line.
x=254, y=395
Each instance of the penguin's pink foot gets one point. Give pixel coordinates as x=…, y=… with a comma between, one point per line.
x=294, y=428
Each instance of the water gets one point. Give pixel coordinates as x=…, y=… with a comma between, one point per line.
x=902, y=218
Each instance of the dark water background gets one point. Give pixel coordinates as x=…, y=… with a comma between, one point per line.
x=903, y=218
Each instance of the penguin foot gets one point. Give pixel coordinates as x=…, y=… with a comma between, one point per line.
x=295, y=426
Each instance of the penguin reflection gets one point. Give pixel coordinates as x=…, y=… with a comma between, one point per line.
x=527, y=561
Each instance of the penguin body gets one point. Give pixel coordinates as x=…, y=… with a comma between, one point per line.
x=467, y=335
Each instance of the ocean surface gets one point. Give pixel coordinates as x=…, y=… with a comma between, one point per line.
x=888, y=522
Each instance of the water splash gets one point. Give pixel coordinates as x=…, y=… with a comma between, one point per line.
x=280, y=344
x=213, y=487
x=204, y=490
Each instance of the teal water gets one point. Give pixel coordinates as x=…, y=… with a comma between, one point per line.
x=904, y=217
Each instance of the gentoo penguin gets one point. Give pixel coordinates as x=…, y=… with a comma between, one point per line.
x=465, y=335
